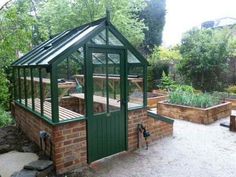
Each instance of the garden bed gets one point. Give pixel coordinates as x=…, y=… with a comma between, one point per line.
x=152, y=99
x=233, y=101
x=194, y=114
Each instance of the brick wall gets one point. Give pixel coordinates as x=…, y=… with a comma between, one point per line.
x=158, y=129
x=69, y=146
x=69, y=143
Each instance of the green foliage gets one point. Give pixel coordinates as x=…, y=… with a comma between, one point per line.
x=202, y=100
x=154, y=18
x=184, y=88
x=231, y=89
x=4, y=91
x=15, y=31
x=165, y=54
x=166, y=82
x=70, y=14
x=5, y=118
x=205, y=54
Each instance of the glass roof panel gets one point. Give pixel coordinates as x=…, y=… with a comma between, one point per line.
x=68, y=44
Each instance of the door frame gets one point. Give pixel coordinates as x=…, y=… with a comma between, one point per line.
x=88, y=49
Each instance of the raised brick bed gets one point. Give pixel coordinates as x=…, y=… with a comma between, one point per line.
x=193, y=114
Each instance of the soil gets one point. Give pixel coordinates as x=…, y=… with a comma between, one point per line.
x=12, y=139
x=149, y=95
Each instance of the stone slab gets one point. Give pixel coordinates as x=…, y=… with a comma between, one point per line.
x=38, y=165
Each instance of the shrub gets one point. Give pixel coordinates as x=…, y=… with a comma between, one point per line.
x=231, y=89
x=224, y=95
x=166, y=82
x=202, y=100
x=4, y=92
x=5, y=118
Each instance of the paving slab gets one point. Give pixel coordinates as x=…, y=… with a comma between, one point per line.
x=38, y=165
x=14, y=161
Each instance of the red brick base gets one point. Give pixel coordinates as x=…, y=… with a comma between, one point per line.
x=158, y=129
x=69, y=144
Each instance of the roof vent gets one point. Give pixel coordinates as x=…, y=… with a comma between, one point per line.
x=48, y=46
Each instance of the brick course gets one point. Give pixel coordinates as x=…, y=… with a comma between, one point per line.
x=69, y=145
x=158, y=129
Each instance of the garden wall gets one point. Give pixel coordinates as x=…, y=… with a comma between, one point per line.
x=192, y=114
x=69, y=145
x=157, y=128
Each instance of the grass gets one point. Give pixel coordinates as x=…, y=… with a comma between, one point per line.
x=200, y=100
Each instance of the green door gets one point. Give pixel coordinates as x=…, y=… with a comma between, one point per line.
x=106, y=103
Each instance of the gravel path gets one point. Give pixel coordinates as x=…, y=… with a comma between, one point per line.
x=194, y=151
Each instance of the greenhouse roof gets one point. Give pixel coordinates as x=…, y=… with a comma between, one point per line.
x=46, y=53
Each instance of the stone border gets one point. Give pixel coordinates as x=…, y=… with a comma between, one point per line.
x=193, y=114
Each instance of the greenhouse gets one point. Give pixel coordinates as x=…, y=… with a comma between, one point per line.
x=89, y=66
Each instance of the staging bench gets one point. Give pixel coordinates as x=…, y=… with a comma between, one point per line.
x=64, y=114
x=113, y=78
x=102, y=100
x=66, y=86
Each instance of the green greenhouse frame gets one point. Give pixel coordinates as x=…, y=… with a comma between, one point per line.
x=39, y=70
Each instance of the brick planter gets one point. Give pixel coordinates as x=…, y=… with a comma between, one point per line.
x=193, y=114
x=233, y=101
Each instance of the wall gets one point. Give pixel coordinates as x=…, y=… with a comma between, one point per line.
x=69, y=143
x=158, y=129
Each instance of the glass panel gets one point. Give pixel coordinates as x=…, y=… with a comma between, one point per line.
x=28, y=88
x=114, y=82
x=71, y=85
x=132, y=58
x=46, y=93
x=113, y=40
x=100, y=38
x=99, y=83
x=17, y=85
x=22, y=87
x=135, y=80
x=36, y=90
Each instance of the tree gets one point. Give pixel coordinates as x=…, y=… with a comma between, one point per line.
x=59, y=15
x=15, y=31
x=154, y=19
x=205, y=54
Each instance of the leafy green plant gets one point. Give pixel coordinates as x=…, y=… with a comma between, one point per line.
x=166, y=82
x=5, y=118
x=202, y=100
x=185, y=88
